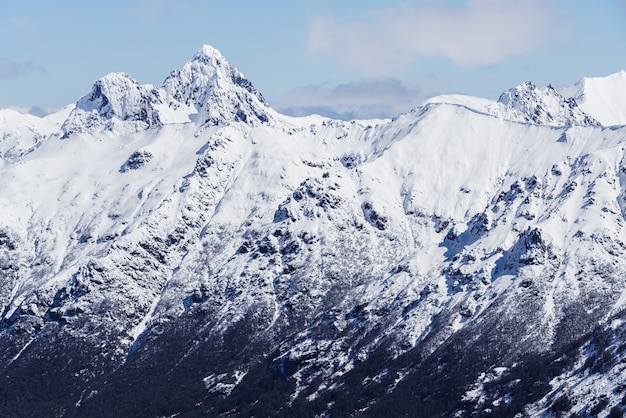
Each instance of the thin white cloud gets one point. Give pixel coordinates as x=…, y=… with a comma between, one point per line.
x=478, y=32
x=10, y=69
x=363, y=99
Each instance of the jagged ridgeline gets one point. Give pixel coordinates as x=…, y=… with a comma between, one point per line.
x=188, y=251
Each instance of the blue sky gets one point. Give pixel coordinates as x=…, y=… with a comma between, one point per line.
x=365, y=58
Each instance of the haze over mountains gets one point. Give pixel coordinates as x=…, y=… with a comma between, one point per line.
x=188, y=250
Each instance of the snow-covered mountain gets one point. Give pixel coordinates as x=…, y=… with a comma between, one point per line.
x=22, y=133
x=216, y=91
x=528, y=103
x=186, y=250
x=592, y=95
x=116, y=103
x=207, y=90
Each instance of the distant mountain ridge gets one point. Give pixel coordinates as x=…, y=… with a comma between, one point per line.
x=206, y=89
x=117, y=103
x=590, y=101
x=528, y=103
x=188, y=251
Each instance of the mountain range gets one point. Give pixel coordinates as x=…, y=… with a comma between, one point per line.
x=186, y=250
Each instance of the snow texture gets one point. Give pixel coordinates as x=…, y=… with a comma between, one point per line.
x=139, y=208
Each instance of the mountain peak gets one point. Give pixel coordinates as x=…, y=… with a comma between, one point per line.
x=115, y=103
x=513, y=95
x=217, y=90
x=207, y=90
x=541, y=106
x=208, y=59
x=207, y=52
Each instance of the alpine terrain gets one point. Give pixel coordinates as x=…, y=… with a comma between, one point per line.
x=185, y=250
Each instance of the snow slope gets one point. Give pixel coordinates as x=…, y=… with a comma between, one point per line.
x=21, y=133
x=191, y=241
x=602, y=97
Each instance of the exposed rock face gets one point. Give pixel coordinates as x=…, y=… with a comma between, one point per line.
x=136, y=160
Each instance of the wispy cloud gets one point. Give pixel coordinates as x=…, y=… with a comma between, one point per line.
x=10, y=69
x=475, y=33
x=363, y=99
